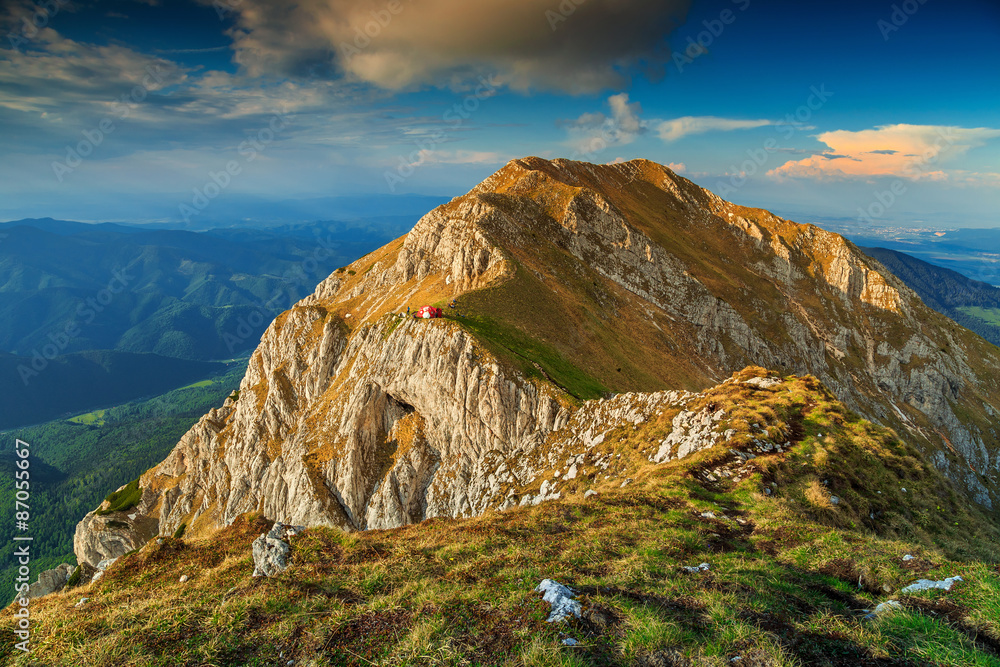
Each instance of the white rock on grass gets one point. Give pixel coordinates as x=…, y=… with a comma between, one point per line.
x=106, y=563
x=561, y=599
x=694, y=569
x=882, y=608
x=270, y=550
x=763, y=383
x=927, y=585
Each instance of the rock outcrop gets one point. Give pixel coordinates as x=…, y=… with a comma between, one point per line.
x=102, y=537
x=271, y=549
x=50, y=581
x=627, y=276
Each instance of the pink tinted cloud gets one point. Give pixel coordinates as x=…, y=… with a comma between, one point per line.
x=914, y=152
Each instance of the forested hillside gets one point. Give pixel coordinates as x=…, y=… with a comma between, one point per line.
x=75, y=464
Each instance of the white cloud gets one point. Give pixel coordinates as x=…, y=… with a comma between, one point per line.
x=626, y=115
x=429, y=157
x=594, y=132
x=672, y=130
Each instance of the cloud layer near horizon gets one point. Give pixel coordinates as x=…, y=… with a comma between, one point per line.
x=573, y=45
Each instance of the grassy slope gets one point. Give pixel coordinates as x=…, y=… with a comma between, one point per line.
x=990, y=316
x=789, y=574
x=558, y=312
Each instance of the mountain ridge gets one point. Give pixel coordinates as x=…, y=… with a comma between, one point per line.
x=620, y=279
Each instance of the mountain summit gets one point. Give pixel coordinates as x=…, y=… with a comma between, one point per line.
x=589, y=298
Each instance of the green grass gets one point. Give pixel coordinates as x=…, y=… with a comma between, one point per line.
x=124, y=499
x=392, y=327
x=988, y=315
x=95, y=418
x=203, y=383
x=525, y=352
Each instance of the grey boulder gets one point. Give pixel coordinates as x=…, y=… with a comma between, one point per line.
x=271, y=549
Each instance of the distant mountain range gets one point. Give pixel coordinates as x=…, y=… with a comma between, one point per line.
x=230, y=209
x=205, y=295
x=98, y=314
x=973, y=304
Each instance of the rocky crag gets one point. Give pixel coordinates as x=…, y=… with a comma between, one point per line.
x=590, y=298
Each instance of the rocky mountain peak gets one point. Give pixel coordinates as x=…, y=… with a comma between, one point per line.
x=588, y=297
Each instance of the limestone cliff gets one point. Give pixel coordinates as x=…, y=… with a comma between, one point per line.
x=590, y=297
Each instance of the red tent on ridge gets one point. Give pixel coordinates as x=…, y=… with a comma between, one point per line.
x=428, y=312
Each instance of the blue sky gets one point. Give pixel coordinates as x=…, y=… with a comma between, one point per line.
x=884, y=113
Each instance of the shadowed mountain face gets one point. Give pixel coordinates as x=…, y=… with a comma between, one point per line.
x=39, y=389
x=573, y=282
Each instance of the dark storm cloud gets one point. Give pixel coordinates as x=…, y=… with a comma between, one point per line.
x=573, y=45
